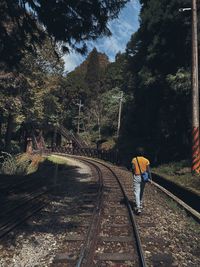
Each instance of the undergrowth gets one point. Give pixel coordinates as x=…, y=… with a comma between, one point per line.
x=21, y=164
x=180, y=173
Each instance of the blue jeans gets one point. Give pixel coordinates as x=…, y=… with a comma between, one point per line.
x=138, y=186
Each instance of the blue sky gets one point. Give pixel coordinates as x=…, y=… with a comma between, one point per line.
x=121, y=28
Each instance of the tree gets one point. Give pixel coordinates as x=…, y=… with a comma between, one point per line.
x=115, y=73
x=85, y=83
x=11, y=87
x=92, y=76
x=158, y=59
x=23, y=94
x=71, y=23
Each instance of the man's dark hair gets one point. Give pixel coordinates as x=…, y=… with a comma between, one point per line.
x=140, y=151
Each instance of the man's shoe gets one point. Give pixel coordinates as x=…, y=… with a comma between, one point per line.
x=138, y=211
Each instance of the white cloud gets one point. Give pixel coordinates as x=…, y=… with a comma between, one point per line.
x=121, y=28
x=72, y=60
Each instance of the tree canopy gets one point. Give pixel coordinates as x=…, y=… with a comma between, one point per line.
x=153, y=73
x=33, y=35
x=158, y=70
x=25, y=22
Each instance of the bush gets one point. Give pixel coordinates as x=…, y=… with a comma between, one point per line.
x=18, y=165
x=8, y=164
x=15, y=148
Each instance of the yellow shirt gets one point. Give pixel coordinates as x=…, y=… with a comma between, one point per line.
x=143, y=165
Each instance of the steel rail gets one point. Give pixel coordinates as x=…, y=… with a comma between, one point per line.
x=28, y=211
x=182, y=204
x=25, y=201
x=13, y=226
x=131, y=214
x=11, y=186
x=176, y=197
x=95, y=218
x=40, y=186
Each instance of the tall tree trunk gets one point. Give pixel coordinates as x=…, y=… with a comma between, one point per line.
x=1, y=141
x=0, y=129
x=29, y=146
x=54, y=137
x=8, y=134
x=58, y=140
x=40, y=140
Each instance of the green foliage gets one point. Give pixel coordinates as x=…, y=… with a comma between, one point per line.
x=23, y=97
x=180, y=82
x=23, y=167
x=153, y=73
x=180, y=173
x=110, y=101
x=44, y=76
x=115, y=73
x=158, y=60
x=70, y=23
x=103, y=82
x=73, y=22
x=14, y=165
x=86, y=83
x=33, y=34
x=8, y=164
x=93, y=72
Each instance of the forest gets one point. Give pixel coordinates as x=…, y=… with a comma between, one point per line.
x=154, y=74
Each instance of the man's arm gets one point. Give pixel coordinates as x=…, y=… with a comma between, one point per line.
x=132, y=167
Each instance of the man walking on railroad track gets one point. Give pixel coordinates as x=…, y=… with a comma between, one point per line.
x=140, y=167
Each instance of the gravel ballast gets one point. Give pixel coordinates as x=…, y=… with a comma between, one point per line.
x=169, y=236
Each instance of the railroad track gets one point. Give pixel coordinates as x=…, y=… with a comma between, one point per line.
x=19, y=202
x=96, y=226
x=112, y=237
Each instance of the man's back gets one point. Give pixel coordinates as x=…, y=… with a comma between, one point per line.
x=143, y=164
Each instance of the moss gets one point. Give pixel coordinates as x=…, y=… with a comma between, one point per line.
x=57, y=160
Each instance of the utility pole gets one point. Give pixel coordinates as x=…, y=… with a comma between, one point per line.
x=79, y=112
x=195, y=94
x=195, y=168
x=120, y=111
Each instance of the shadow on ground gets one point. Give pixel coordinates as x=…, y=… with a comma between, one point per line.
x=71, y=193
